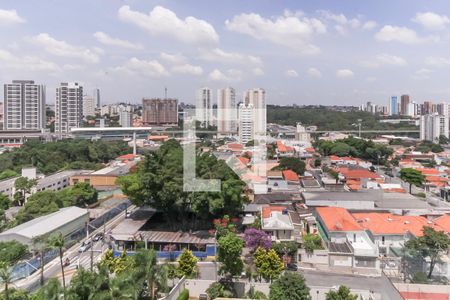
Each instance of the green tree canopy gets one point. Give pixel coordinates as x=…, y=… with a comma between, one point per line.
x=289, y=286
x=229, y=248
x=268, y=264
x=431, y=245
x=187, y=264
x=411, y=176
x=343, y=293
x=312, y=242
x=292, y=163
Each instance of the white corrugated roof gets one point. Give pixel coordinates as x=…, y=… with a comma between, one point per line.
x=48, y=223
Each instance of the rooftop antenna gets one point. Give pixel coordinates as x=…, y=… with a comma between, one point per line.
x=165, y=93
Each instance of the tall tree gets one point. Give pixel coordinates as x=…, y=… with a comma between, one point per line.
x=290, y=286
x=292, y=163
x=56, y=241
x=6, y=278
x=343, y=293
x=412, y=176
x=148, y=273
x=23, y=187
x=187, y=264
x=268, y=264
x=229, y=254
x=433, y=244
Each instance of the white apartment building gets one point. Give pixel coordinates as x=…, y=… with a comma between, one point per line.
x=246, y=122
x=203, y=108
x=89, y=106
x=257, y=98
x=226, y=110
x=432, y=126
x=125, y=119
x=24, y=105
x=97, y=97
x=69, y=107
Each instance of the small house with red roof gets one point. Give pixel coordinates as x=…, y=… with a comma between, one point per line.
x=276, y=221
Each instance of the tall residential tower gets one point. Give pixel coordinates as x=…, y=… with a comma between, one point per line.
x=226, y=110
x=69, y=107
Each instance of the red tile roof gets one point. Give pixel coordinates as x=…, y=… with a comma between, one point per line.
x=359, y=173
x=428, y=171
x=338, y=219
x=443, y=222
x=424, y=296
x=283, y=148
x=244, y=160
x=266, y=211
x=290, y=175
x=387, y=223
x=126, y=157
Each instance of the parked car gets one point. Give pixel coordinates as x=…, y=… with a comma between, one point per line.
x=85, y=246
x=292, y=267
x=98, y=236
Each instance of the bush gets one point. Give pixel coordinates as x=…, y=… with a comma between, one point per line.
x=184, y=295
x=420, y=277
x=421, y=195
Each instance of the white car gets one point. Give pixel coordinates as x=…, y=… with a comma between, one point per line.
x=85, y=246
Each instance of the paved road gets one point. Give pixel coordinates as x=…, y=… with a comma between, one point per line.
x=380, y=285
x=53, y=268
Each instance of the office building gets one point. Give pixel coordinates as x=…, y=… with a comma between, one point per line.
x=125, y=119
x=1, y=115
x=257, y=99
x=160, y=111
x=404, y=103
x=226, y=111
x=442, y=108
x=246, y=122
x=89, y=106
x=69, y=107
x=432, y=126
x=24, y=106
x=393, y=106
x=203, y=107
x=97, y=98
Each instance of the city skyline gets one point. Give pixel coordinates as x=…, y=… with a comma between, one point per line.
x=300, y=53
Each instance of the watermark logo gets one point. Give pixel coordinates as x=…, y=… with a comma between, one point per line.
x=248, y=124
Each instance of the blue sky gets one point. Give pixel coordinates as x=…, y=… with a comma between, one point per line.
x=303, y=52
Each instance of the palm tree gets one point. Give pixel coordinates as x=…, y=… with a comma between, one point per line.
x=5, y=276
x=149, y=273
x=56, y=241
x=39, y=244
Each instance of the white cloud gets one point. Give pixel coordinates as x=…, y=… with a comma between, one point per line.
x=369, y=25
x=258, y=72
x=344, y=73
x=176, y=58
x=219, y=55
x=164, y=22
x=384, y=59
x=422, y=74
x=10, y=17
x=291, y=73
x=110, y=41
x=230, y=75
x=71, y=67
x=432, y=21
x=64, y=49
x=150, y=68
x=314, y=73
x=391, y=33
x=437, y=61
x=287, y=30
x=187, y=69
x=29, y=63
x=371, y=79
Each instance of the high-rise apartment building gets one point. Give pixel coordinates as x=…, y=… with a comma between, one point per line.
x=404, y=104
x=226, y=111
x=257, y=98
x=24, y=105
x=89, y=105
x=69, y=107
x=97, y=97
x=126, y=119
x=203, y=107
x=393, y=106
x=442, y=108
x=246, y=122
x=160, y=111
x=432, y=126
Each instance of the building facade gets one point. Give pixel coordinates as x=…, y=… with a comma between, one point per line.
x=126, y=119
x=226, y=111
x=24, y=106
x=160, y=111
x=404, y=104
x=393, y=106
x=257, y=98
x=432, y=126
x=89, y=106
x=69, y=107
x=246, y=122
x=203, y=107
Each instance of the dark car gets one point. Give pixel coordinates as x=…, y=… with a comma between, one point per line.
x=98, y=236
x=292, y=267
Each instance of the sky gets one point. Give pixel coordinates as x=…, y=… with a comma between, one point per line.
x=330, y=52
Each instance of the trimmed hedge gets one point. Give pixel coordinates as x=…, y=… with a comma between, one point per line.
x=184, y=295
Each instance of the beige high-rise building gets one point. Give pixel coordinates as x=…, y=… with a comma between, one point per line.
x=160, y=111
x=257, y=98
x=246, y=122
x=89, y=105
x=226, y=111
x=203, y=107
x=69, y=107
x=24, y=106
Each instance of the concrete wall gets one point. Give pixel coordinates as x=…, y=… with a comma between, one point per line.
x=314, y=258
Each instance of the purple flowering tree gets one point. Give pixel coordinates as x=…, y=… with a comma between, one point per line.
x=255, y=238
